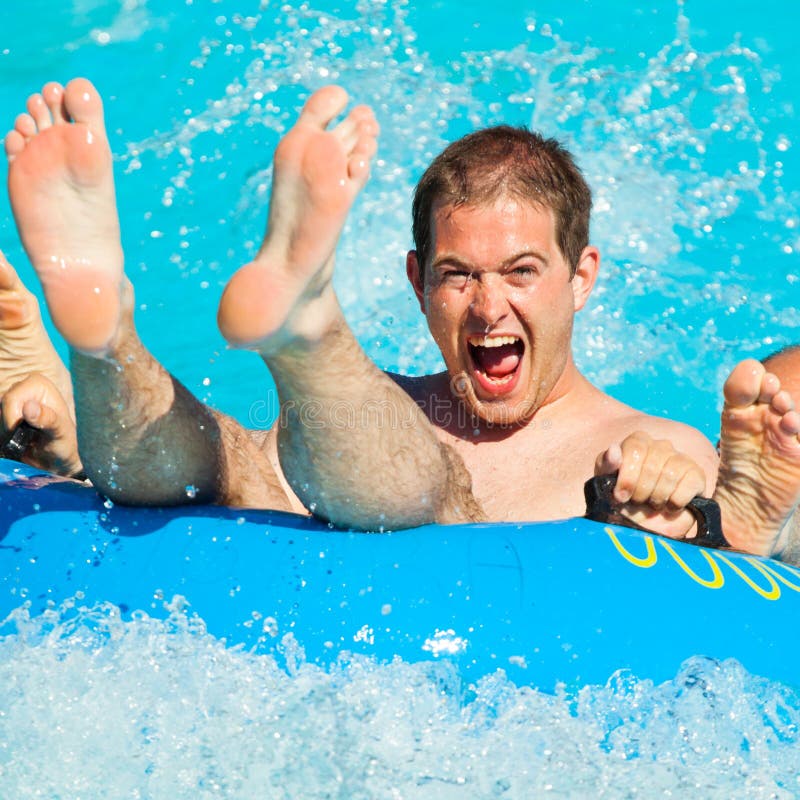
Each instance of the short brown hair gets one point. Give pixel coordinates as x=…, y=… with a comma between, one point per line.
x=503, y=160
x=788, y=350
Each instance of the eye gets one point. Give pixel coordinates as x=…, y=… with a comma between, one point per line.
x=456, y=276
x=524, y=273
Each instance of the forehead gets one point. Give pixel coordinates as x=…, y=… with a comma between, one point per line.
x=505, y=221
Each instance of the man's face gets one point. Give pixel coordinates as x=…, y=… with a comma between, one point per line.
x=500, y=304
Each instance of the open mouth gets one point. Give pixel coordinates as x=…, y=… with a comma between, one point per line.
x=496, y=360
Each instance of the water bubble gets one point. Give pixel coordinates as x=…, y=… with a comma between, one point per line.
x=270, y=627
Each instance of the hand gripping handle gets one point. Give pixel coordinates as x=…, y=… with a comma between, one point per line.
x=16, y=444
x=602, y=507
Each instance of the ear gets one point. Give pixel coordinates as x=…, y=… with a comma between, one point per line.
x=414, y=278
x=585, y=276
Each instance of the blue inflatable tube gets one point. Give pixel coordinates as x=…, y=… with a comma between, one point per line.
x=550, y=603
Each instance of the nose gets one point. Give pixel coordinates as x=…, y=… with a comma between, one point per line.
x=489, y=302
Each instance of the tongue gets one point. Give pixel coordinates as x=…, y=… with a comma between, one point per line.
x=497, y=362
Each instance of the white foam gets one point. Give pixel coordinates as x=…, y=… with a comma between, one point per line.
x=93, y=706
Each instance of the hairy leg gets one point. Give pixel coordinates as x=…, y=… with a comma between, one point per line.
x=759, y=475
x=25, y=347
x=143, y=437
x=354, y=446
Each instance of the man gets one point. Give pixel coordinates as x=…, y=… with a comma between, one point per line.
x=497, y=277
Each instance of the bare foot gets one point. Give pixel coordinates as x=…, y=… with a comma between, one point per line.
x=285, y=293
x=61, y=187
x=25, y=347
x=759, y=471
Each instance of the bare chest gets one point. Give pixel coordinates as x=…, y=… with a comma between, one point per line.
x=534, y=475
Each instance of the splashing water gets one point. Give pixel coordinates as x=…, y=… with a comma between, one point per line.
x=687, y=149
x=689, y=154
x=682, y=147
x=95, y=706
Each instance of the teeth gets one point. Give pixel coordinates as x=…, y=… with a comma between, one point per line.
x=498, y=381
x=492, y=341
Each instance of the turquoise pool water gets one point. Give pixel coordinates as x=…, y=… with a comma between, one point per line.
x=683, y=118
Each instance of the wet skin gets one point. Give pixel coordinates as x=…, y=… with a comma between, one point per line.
x=496, y=271
x=498, y=295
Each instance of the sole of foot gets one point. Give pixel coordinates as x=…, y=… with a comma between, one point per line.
x=285, y=294
x=759, y=476
x=25, y=347
x=61, y=186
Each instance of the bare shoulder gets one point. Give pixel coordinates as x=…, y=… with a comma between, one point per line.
x=421, y=389
x=621, y=420
x=676, y=432
x=414, y=386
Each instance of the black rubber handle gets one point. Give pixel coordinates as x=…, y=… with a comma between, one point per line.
x=602, y=507
x=18, y=442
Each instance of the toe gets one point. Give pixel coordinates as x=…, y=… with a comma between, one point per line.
x=14, y=144
x=365, y=118
x=359, y=161
x=790, y=424
x=358, y=167
x=743, y=386
x=9, y=279
x=82, y=103
x=53, y=94
x=770, y=386
x=782, y=402
x=353, y=134
x=323, y=106
x=38, y=109
x=25, y=126
x=347, y=133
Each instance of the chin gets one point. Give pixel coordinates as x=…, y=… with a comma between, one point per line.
x=501, y=413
